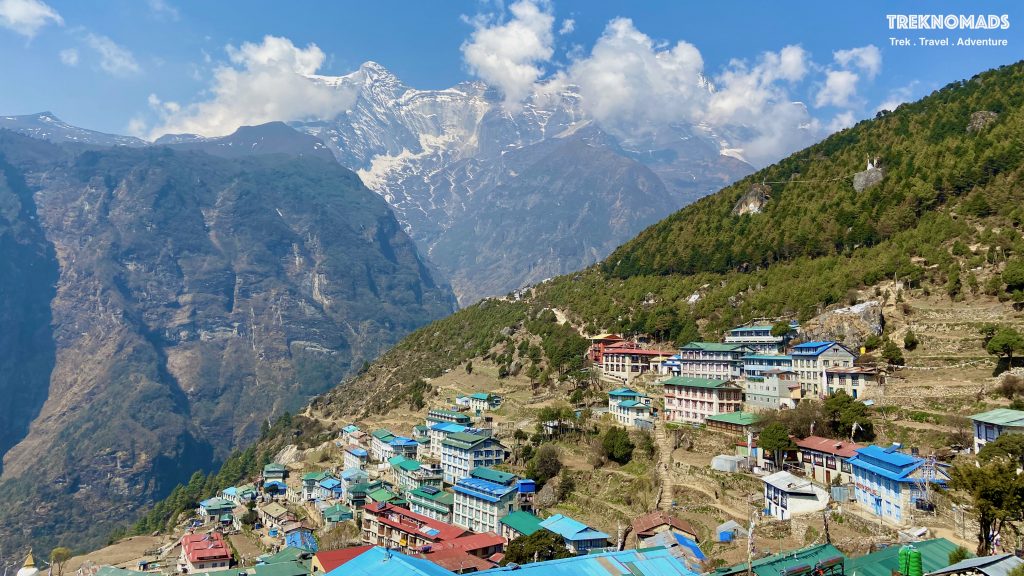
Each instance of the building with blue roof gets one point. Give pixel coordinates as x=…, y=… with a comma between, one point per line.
x=579, y=538
x=330, y=488
x=630, y=408
x=355, y=457
x=382, y=562
x=811, y=359
x=651, y=562
x=438, y=432
x=486, y=496
x=889, y=483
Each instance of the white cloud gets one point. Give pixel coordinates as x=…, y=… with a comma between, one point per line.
x=509, y=53
x=568, y=25
x=842, y=120
x=628, y=82
x=632, y=85
x=898, y=96
x=755, y=100
x=162, y=9
x=262, y=82
x=114, y=59
x=866, y=58
x=26, y=17
x=839, y=89
x=69, y=57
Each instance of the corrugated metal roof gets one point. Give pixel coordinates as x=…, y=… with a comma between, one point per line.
x=997, y=565
x=934, y=556
x=1001, y=417
x=658, y=562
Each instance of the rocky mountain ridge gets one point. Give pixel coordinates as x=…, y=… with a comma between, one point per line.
x=173, y=300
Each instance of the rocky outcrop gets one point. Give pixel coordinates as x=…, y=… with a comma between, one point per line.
x=849, y=325
x=981, y=120
x=197, y=296
x=868, y=178
x=754, y=201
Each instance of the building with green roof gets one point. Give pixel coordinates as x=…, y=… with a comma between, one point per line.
x=826, y=556
x=693, y=400
x=992, y=424
x=432, y=502
x=274, y=471
x=461, y=452
x=411, y=474
x=736, y=422
x=480, y=402
x=519, y=523
x=438, y=415
x=712, y=360
x=934, y=556
x=336, y=514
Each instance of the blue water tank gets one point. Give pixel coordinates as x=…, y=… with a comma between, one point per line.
x=527, y=486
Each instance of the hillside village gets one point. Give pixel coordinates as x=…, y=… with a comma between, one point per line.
x=663, y=457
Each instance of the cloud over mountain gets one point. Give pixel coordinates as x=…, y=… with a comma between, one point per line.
x=261, y=82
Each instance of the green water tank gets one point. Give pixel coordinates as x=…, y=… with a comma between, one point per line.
x=914, y=568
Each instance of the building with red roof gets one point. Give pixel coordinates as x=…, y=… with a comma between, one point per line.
x=327, y=560
x=650, y=525
x=627, y=360
x=395, y=527
x=824, y=459
x=470, y=553
x=204, y=553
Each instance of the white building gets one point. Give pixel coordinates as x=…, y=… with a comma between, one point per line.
x=758, y=337
x=774, y=389
x=856, y=381
x=992, y=424
x=486, y=496
x=439, y=432
x=812, y=359
x=712, y=360
x=630, y=408
x=462, y=452
x=786, y=496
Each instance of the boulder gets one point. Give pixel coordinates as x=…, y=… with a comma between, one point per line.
x=849, y=325
x=754, y=201
x=980, y=120
x=868, y=178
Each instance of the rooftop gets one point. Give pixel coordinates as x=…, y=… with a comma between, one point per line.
x=777, y=563
x=651, y=562
x=714, y=346
x=1001, y=417
x=331, y=559
x=492, y=475
x=789, y=483
x=624, y=392
x=658, y=518
x=690, y=382
x=996, y=565
x=934, y=556
x=840, y=448
x=522, y=522
x=413, y=523
x=570, y=529
x=739, y=418
x=381, y=562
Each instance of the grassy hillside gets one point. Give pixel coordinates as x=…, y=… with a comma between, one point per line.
x=945, y=220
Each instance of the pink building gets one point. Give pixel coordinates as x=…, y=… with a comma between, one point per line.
x=694, y=399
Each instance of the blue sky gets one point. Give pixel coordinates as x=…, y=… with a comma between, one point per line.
x=96, y=64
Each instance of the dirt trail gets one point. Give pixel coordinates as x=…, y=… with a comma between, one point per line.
x=667, y=492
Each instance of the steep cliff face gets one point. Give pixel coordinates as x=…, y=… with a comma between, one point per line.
x=197, y=296
x=28, y=273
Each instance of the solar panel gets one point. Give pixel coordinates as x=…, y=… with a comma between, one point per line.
x=430, y=490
